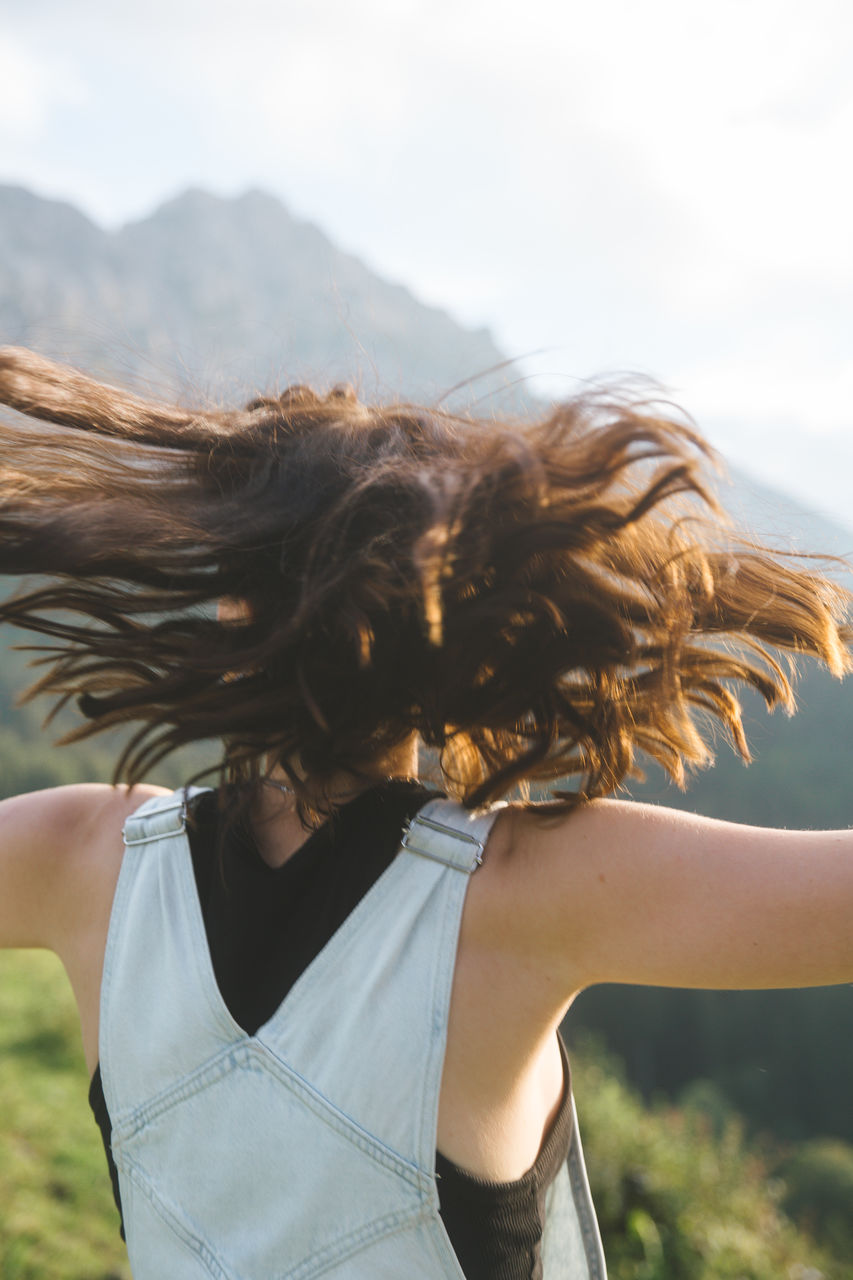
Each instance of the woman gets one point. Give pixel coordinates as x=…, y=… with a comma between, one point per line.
x=314, y=1051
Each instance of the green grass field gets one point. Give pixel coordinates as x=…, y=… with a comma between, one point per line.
x=57, y=1217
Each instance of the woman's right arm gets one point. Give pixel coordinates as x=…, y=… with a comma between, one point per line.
x=60, y=852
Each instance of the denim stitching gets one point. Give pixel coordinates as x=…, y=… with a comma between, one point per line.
x=254, y=1057
x=203, y=1252
x=331, y=1255
x=339, y=1251
x=455, y=891
x=439, y=1003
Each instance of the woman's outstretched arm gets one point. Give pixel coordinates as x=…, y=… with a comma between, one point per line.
x=634, y=893
x=52, y=849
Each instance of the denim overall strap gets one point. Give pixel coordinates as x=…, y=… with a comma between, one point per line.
x=571, y=1241
x=383, y=983
x=160, y=1019
x=427, y=835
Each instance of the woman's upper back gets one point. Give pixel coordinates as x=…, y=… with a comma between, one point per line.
x=503, y=1074
x=614, y=892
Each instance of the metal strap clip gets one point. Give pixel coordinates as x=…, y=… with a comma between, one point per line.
x=178, y=829
x=440, y=827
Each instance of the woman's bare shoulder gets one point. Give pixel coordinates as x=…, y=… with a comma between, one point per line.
x=60, y=850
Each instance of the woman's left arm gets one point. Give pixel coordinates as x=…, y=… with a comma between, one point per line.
x=634, y=893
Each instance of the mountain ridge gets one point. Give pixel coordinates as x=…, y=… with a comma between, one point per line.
x=234, y=285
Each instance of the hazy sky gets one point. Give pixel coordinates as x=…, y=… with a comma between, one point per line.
x=652, y=185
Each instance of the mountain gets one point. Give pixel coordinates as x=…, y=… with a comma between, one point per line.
x=222, y=297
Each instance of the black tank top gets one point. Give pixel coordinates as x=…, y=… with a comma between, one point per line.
x=264, y=927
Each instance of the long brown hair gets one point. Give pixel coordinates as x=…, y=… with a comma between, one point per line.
x=534, y=600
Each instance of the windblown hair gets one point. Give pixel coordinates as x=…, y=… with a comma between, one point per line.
x=534, y=600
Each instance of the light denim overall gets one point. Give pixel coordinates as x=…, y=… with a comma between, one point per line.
x=307, y=1149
